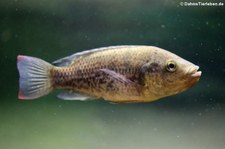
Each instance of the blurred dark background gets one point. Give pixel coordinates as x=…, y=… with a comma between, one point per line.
x=53, y=29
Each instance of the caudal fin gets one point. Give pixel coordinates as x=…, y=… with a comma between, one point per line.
x=35, y=77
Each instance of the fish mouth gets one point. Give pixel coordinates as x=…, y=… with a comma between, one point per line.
x=194, y=73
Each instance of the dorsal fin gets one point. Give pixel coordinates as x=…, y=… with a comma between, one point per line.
x=69, y=59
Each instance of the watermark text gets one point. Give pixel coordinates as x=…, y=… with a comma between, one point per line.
x=202, y=4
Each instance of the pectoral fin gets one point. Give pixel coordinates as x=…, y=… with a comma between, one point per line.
x=116, y=76
x=119, y=86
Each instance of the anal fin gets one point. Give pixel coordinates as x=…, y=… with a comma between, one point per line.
x=71, y=95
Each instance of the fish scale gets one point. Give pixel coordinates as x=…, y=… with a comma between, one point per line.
x=99, y=61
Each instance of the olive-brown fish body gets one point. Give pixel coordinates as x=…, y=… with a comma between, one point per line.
x=90, y=75
x=117, y=74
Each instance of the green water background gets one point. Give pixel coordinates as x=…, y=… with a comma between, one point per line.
x=54, y=29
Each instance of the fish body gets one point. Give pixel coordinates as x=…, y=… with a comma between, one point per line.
x=122, y=74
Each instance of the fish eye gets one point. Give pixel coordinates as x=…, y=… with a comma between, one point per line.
x=171, y=66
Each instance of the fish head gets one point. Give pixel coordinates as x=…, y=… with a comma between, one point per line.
x=169, y=74
x=179, y=75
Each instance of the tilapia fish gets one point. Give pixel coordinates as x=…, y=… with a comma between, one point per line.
x=120, y=74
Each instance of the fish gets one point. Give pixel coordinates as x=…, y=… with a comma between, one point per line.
x=118, y=74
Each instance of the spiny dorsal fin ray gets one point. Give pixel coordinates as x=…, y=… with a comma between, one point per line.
x=69, y=59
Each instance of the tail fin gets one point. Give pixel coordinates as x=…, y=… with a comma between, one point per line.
x=35, y=77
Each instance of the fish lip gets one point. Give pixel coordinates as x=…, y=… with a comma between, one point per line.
x=194, y=72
